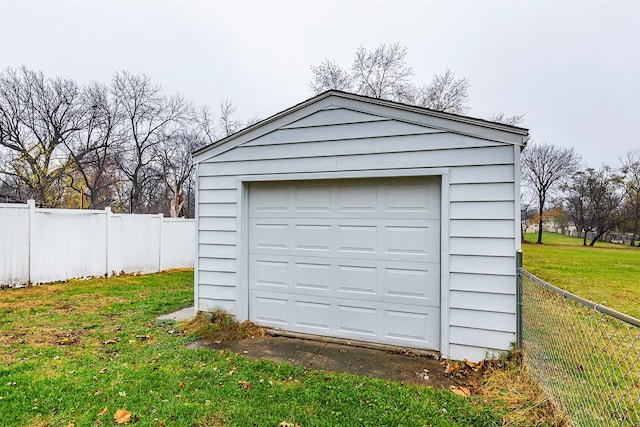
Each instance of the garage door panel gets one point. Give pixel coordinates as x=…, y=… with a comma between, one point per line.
x=375, y=280
x=314, y=276
x=357, y=198
x=357, y=320
x=270, y=236
x=271, y=273
x=313, y=315
x=412, y=240
x=411, y=199
x=355, y=259
x=312, y=237
x=417, y=241
x=357, y=238
x=411, y=284
x=270, y=311
x=312, y=199
x=357, y=279
x=415, y=327
x=271, y=200
x=348, y=318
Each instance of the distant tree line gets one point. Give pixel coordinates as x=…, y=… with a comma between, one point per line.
x=558, y=188
x=126, y=145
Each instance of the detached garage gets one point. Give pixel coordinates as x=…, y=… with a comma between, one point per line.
x=359, y=218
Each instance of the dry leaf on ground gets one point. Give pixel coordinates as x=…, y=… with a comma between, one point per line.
x=122, y=416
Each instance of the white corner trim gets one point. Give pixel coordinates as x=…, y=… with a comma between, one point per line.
x=516, y=198
x=242, y=251
x=444, y=263
x=196, y=263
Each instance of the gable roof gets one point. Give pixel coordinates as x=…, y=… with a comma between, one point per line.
x=369, y=109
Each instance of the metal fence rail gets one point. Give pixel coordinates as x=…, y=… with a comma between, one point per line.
x=585, y=356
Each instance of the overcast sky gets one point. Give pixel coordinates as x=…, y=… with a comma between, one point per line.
x=571, y=67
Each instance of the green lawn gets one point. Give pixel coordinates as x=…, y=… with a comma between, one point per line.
x=72, y=354
x=607, y=274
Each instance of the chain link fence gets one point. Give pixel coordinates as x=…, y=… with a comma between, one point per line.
x=585, y=356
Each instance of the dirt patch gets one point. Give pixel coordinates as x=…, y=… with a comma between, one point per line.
x=41, y=336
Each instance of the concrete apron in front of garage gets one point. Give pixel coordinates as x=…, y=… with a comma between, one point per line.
x=335, y=355
x=340, y=356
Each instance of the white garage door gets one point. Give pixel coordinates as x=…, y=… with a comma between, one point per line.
x=356, y=259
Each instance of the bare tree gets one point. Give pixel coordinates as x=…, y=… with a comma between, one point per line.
x=329, y=75
x=229, y=123
x=38, y=116
x=527, y=213
x=513, y=120
x=445, y=93
x=383, y=73
x=212, y=128
x=594, y=202
x=577, y=207
x=94, y=148
x=147, y=115
x=631, y=185
x=544, y=169
x=176, y=163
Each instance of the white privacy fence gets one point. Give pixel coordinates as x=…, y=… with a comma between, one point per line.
x=46, y=245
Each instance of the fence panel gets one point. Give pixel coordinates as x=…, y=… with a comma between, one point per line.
x=178, y=247
x=134, y=243
x=46, y=245
x=14, y=244
x=67, y=243
x=586, y=357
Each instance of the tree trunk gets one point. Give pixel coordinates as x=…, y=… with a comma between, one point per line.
x=595, y=239
x=540, y=210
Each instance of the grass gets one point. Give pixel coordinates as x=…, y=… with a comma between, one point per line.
x=74, y=353
x=606, y=274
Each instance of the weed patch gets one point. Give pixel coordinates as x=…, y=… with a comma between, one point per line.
x=219, y=326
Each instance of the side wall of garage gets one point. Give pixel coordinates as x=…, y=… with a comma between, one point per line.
x=337, y=137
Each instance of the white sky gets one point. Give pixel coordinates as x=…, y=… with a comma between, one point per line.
x=571, y=67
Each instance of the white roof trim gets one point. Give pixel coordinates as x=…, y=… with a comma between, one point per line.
x=406, y=113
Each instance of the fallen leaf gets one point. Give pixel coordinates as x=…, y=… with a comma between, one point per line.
x=245, y=385
x=450, y=369
x=461, y=391
x=111, y=341
x=71, y=424
x=122, y=416
x=286, y=424
x=104, y=411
